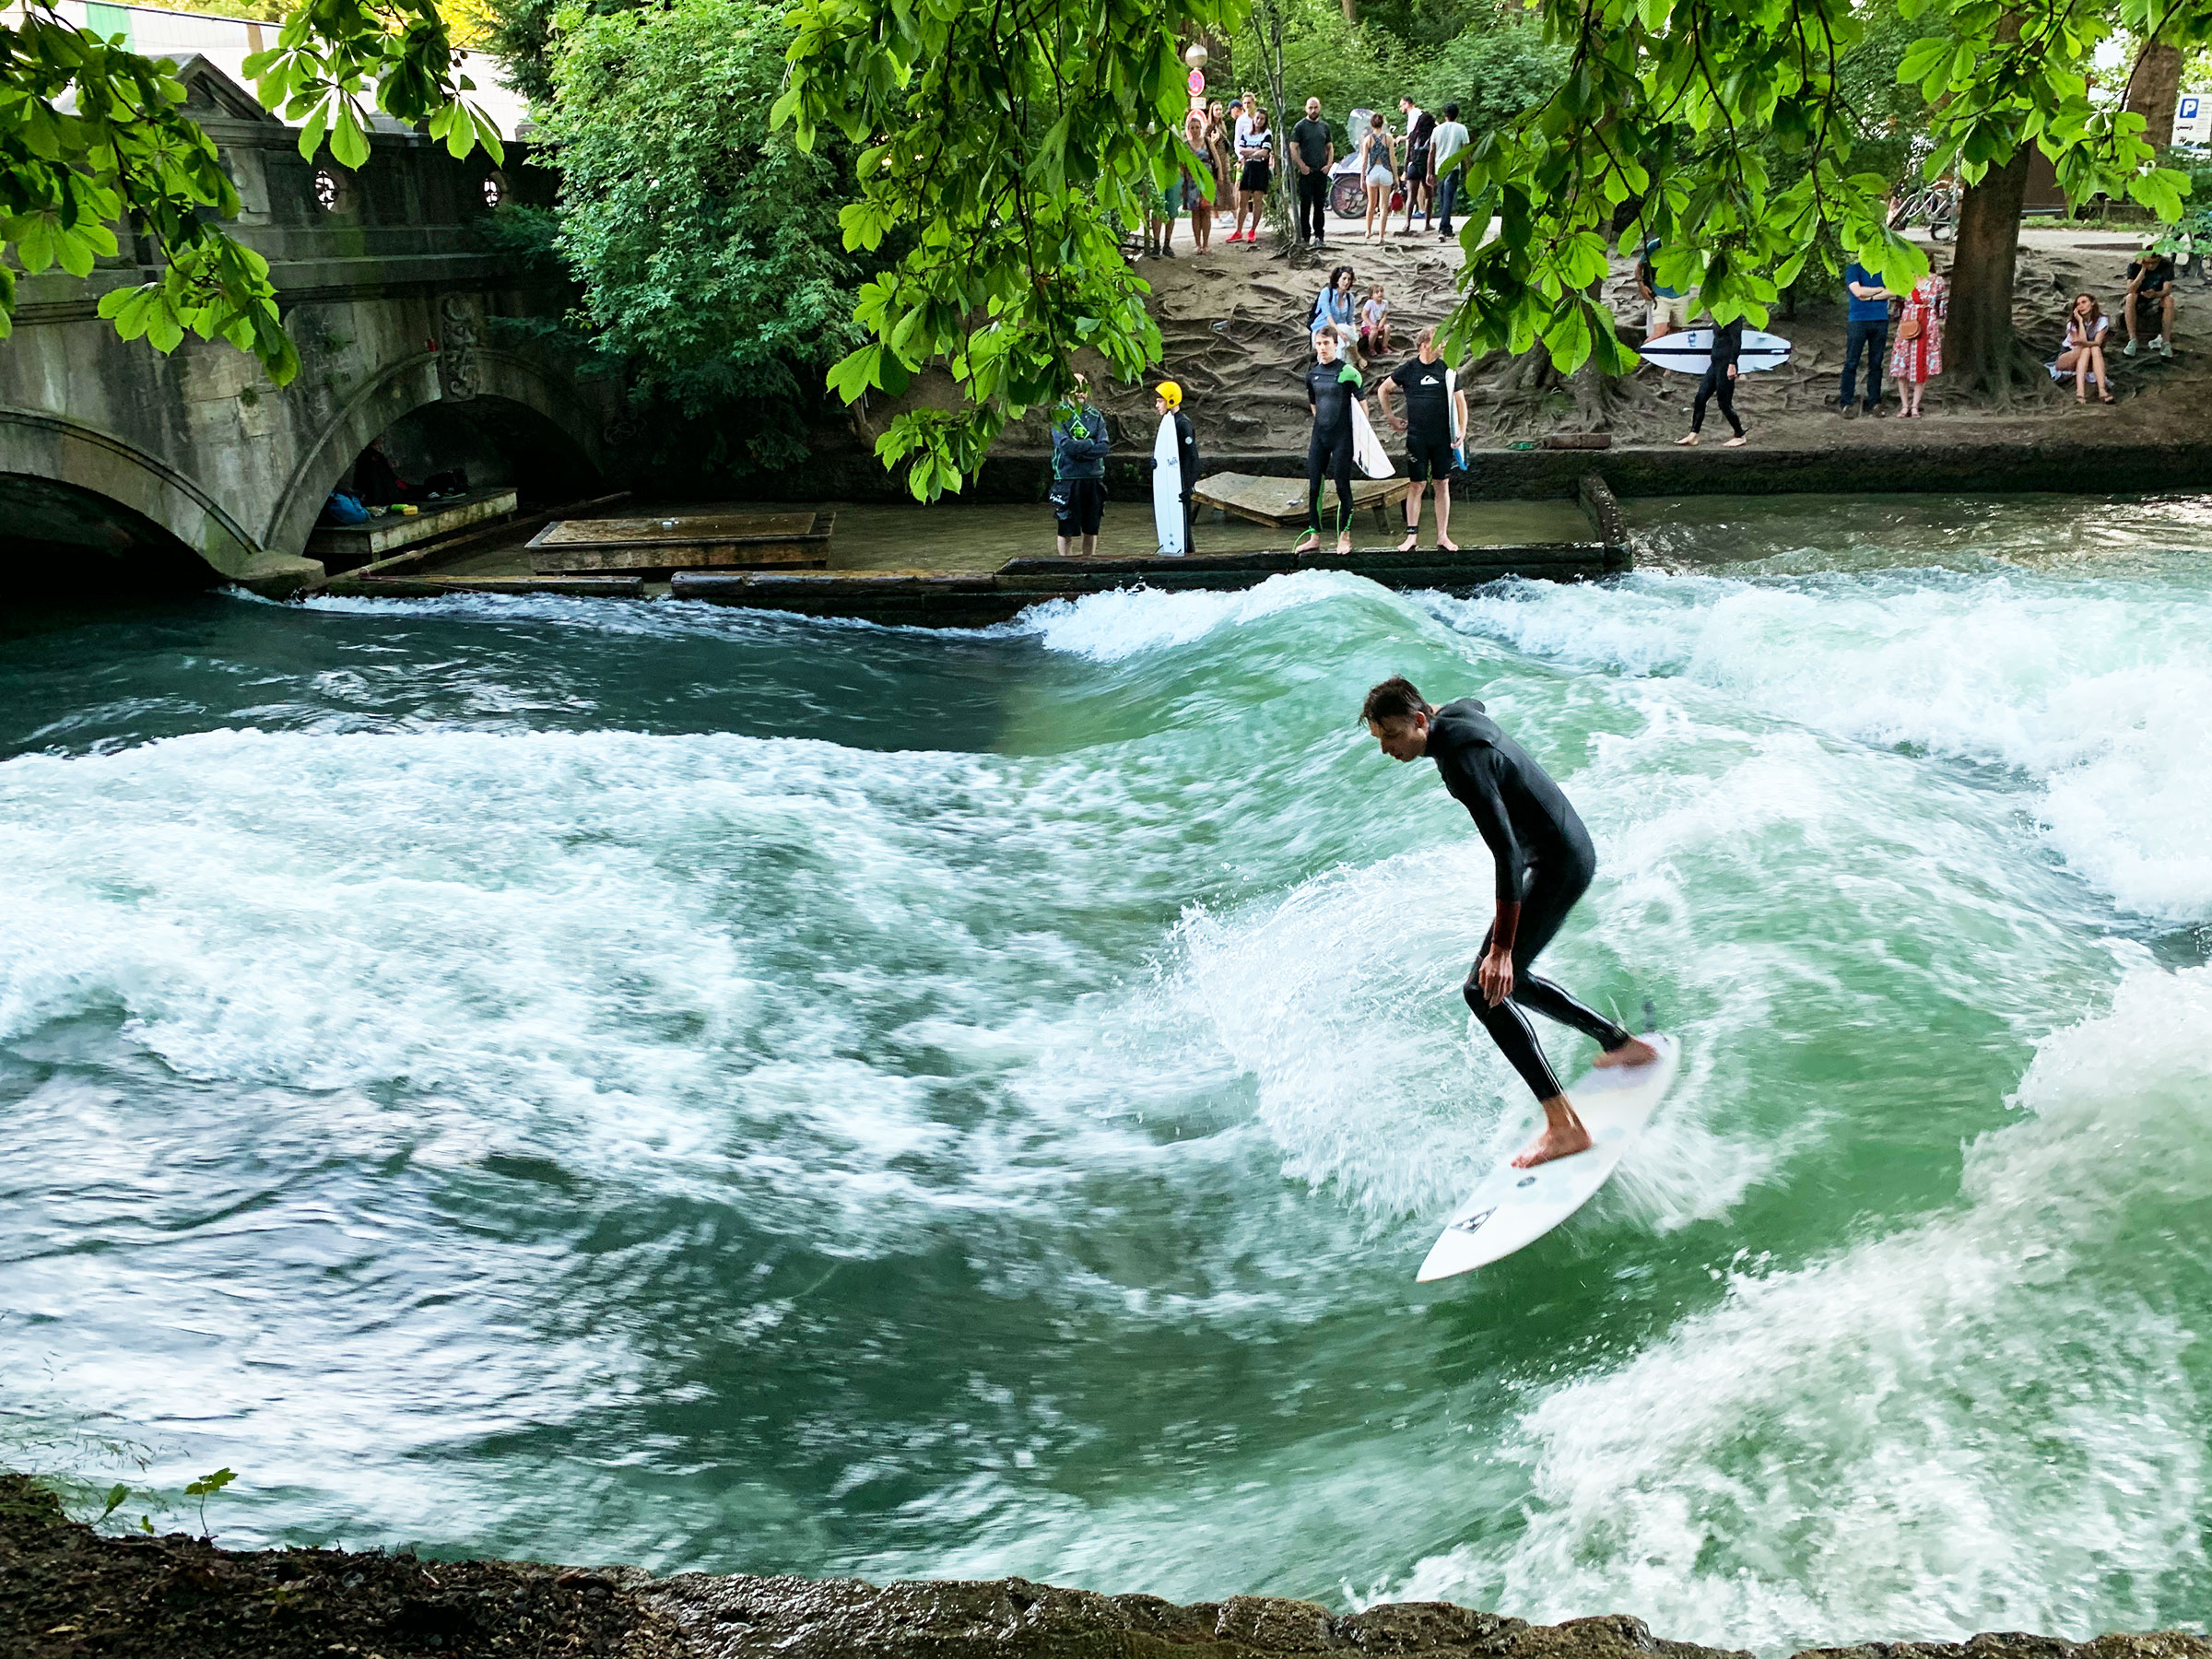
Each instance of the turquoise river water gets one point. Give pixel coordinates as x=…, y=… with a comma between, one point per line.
x=614, y=1082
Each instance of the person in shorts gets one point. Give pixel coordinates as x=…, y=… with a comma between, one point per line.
x=1078, y=493
x=1256, y=154
x=1436, y=413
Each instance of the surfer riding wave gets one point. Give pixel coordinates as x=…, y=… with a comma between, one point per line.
x=1545, y=864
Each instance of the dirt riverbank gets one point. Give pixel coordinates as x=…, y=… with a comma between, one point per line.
x=68, y=1592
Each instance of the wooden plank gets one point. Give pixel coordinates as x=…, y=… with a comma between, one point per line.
x=677, y=531
x=663, y=558
x=1280, y=504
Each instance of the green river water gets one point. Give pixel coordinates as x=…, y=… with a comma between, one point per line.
x=647, y=1083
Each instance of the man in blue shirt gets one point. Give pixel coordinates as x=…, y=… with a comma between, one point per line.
x=1866, y=324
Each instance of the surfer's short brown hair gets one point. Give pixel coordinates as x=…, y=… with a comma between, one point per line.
x=1395, y=698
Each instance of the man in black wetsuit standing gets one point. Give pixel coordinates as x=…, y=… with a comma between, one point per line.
x=1332, y=387
x=1545, y=862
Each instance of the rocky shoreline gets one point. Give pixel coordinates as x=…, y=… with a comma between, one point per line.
x=69, y=1592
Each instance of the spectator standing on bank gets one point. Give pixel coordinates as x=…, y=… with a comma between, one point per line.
x=1312, y=153
x=1420, y=133
x=1435, y=418
x=2151, y=288
x=1450, y=138
x=1167, y=400
x=1918, y=352
x=1201, y=182
x=2082, y=356
x=1221, y=153
x=1866, y=328
x=1079, y=449
x=1255, y=154
x=1379, y=168
x=1719, y=377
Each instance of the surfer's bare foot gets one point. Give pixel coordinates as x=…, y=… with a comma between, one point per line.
x=1447, y=547
x=1686, y=438
x=1634, y=1052
x=1733, y=442
x=1559, y=1140
x=1312, y=544
x=1408, y=544
x=1344, y=544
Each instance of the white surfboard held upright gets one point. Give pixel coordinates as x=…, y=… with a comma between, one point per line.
x=1368, y=454
x=1513, y=1207
x=1167, y=489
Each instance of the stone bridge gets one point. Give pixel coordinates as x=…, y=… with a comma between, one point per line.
x=116, y=461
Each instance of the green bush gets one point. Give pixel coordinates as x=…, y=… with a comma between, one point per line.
x=707, y=247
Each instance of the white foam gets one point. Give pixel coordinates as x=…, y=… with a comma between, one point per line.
x=1106, y=627
x=2101, y=691
x=1983, y=1421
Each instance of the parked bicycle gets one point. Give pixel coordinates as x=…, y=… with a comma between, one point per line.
x=1935, y=205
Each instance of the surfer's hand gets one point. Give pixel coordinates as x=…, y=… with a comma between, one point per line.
x=1495, y=976
x=1397, y=423
x=1731, y=371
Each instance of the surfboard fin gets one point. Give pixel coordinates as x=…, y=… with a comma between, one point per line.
x=1651, y=1016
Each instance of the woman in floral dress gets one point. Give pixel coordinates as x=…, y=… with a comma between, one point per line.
x=1918, y=352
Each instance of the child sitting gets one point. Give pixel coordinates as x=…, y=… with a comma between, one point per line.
x=1374, y=323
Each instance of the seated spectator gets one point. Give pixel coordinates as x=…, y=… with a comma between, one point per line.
x=2082, y=356
x=1335, y=306
x=2151, y=288
x=1374, y=323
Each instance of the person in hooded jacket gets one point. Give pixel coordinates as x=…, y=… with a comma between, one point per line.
x=1544, y=862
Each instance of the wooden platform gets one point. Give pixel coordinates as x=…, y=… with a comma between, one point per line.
x=692, y=541
x=937, y=599
x=345, y=546
x=1280, y=504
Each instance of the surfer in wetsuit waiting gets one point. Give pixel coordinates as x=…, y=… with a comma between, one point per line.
x=1545, y=862
x=1332, y=387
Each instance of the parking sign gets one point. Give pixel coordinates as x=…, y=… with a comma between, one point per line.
x=2193, y=119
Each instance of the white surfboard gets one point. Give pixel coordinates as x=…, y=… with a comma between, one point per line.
x=1688, y=351
x=1167, y=489
x=1513, y=1207
x=1368, y=454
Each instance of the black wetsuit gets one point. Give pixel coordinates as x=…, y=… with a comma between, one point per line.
x=1727, y=344
x=1330, y=449
x=1545, y=862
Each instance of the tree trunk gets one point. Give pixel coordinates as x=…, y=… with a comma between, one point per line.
x=2154, y=91
x=1979, y=347
x=1351, y=11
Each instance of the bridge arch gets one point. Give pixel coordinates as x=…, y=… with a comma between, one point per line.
x=38, y=446
x=415, y=383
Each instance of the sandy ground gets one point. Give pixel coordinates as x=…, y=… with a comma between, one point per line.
x=1232, y=321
